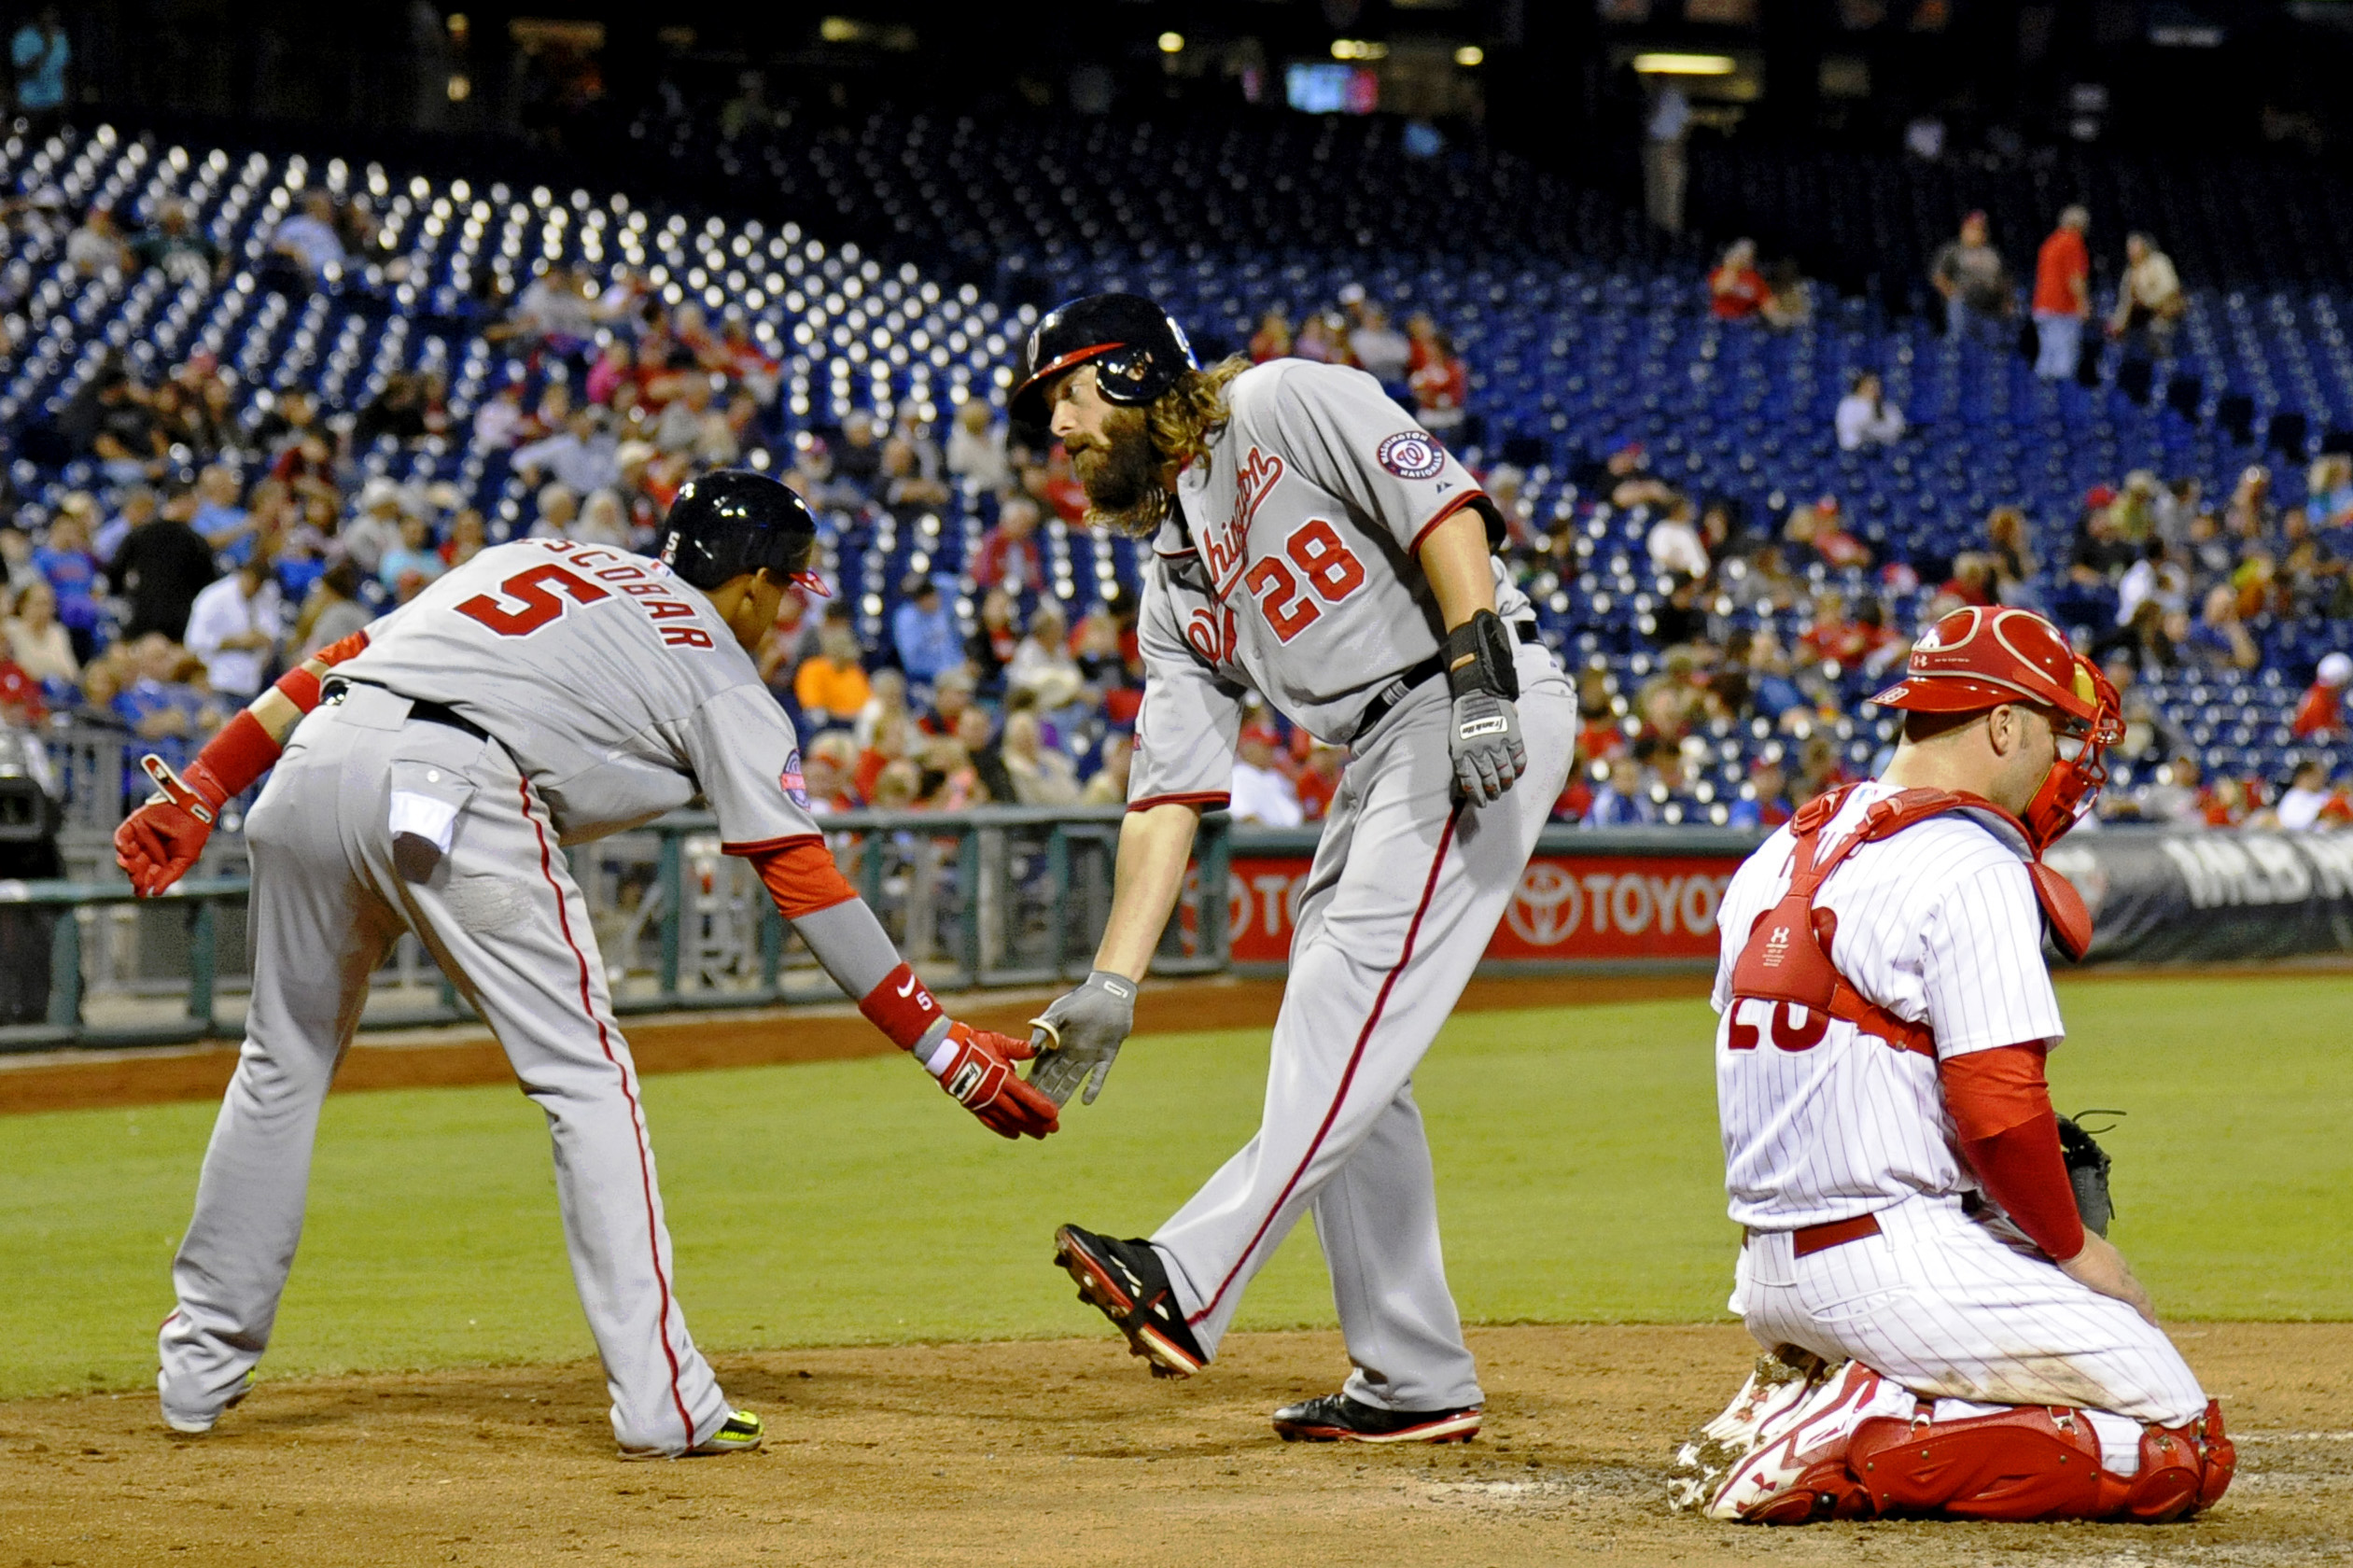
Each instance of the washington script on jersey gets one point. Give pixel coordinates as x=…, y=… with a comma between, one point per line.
x=534, y=592
x=1227, y=550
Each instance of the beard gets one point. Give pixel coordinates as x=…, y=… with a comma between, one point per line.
x=1120, y=472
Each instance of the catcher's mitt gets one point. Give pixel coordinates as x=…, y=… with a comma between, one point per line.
x=2087, y=1169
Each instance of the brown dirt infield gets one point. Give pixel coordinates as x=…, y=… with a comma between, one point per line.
x=687, y=1042
x=1066, y=1452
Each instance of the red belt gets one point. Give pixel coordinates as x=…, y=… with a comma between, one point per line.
x=1806, y=1240
x=1810, y=1239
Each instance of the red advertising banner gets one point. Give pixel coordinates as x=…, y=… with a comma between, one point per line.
x=1568, y=908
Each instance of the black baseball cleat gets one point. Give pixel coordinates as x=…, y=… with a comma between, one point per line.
x=1125, y=1282
x=1334, y=1418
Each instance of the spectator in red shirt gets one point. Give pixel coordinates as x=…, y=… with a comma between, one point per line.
x=1736, y=290
x=1008, y=557
x=1441, y=386
x=1820, y=527
x=1272, y=340
x=1320, y=780
x=2320, y=716
x=2063, y=296
x=1835, y=638
x=1056, y=488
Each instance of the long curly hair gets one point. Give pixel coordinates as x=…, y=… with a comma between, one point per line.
x=1180, y=423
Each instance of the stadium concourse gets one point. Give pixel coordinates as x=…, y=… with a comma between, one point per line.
x=352, y=377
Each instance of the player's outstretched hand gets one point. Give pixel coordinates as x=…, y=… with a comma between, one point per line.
x=158, y=842
x=2100, y=1266
x=1483, y=738
x=1080, y=1034
x=976, y=1067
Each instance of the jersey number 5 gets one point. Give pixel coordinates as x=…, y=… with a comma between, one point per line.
x=538, y=605
x=1331, y=569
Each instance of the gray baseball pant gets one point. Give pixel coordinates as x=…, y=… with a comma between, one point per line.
x=502, y=916
x=1405, y=889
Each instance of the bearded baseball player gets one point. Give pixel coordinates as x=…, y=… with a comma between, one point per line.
x=544, y=693
x=1946, y=1337
x=1308, y=542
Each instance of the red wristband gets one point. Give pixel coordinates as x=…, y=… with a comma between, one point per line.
x=299, y=687
x=901, y=1007
x=234, y=759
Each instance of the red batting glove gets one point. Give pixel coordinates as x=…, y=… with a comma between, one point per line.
x=157, y=842
x=976, y=1067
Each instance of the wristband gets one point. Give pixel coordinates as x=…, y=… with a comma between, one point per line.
x=938, y=1048
x=902, y=1008
x=299, y=687
x=234, y=759
x=1478, y=658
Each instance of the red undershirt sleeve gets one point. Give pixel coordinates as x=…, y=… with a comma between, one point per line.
x=2010, y=1135
x=800, y=876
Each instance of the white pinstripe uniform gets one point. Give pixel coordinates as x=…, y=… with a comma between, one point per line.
x=1938, y=925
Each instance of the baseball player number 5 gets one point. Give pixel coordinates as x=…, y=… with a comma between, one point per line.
x=540, y=606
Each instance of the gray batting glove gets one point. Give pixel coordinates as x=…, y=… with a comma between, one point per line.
x=1080, y=1035
x=1483, y=738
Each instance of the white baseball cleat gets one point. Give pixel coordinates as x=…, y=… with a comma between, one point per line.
x=1797, y=1471
x=1781, y=1381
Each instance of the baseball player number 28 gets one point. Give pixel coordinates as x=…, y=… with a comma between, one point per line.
x=1332, y=569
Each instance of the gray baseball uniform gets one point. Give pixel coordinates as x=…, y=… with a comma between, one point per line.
x=614, y=693
x=1293, y=570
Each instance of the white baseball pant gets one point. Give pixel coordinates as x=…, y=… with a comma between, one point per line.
x=501, y=914
x=1397, y=909
x=1946, y=1305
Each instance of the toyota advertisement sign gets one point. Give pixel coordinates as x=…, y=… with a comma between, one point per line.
x=1650, y=901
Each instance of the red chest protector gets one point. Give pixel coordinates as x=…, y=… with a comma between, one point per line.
x=1787, y=958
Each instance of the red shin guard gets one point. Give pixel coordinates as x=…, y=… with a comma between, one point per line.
x=2036, y=1462
x=2182, y=1469
x=2025, y=1464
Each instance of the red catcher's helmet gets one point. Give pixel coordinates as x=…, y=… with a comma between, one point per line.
x=1977, y=658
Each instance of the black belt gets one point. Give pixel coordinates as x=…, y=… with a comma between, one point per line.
x=332, y=689
x=1389, y=696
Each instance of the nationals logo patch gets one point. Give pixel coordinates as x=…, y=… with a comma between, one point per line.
x=796, y=787
x=1411, y=454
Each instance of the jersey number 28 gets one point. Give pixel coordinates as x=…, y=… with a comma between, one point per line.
x=1331, y=569
x=537, y=606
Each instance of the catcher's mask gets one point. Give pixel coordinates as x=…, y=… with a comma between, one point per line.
x=1978, y=658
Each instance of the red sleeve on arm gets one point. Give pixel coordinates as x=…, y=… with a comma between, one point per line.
x=301, y=686
x=800, y=876
x=244, y=750
x=2001, y=1111
x=342, y=648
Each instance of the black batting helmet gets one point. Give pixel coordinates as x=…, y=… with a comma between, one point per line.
x=733, y=521
x=1139, y=352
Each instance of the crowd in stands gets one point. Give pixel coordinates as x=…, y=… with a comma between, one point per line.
x=223, y=529
x=2161, y=582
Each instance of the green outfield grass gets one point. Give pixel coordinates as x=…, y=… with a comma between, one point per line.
x=851, y=1202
